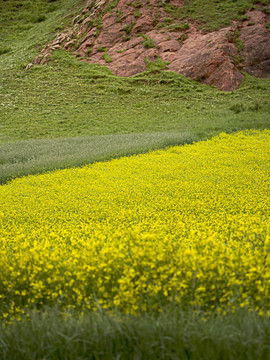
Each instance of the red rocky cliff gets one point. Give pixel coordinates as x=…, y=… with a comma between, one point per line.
x=122, y=37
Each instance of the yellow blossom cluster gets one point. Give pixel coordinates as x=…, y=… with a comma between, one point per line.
x=189, y=224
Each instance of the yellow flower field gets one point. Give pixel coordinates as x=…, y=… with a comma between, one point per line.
x=189, y=224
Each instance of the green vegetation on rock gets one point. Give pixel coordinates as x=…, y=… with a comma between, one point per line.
x=212, y=15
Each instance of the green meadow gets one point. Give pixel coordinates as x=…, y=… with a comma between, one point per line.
x=70, y=113
x=67, y=112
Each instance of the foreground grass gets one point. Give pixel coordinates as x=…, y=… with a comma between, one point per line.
x=172, y=334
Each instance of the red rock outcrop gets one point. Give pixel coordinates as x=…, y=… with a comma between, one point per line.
x=256, y=51
x=128, y=33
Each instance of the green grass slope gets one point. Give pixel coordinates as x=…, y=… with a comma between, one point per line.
x=69, y=98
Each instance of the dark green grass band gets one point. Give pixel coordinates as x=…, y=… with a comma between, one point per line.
x=173, y=334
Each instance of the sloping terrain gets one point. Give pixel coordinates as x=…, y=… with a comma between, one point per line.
x=139, y=232
x=73, y=112
x=124, y=35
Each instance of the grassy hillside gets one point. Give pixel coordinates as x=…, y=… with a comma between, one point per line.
x=69, y=98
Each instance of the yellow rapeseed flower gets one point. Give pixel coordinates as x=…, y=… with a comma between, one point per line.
x=189, y=224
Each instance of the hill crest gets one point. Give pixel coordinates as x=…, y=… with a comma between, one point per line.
x=127, y=36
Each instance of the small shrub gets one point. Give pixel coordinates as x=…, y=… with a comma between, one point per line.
x=148, y=43
x=106, y=57
x=128, y=28
x=201, y=78
x=38, y=18
x=98, y=23
x=237, y=59
x=168, y=8
x=167, y=21
x=122, y=50
x=119, y=14
x=245, y=17
x=4, y=50
x=182, y=38
x=95, y=23
x=97, y=33
x=137, y=14
x=121, y=90
x=241, y=11
x=178, y=27
x=110, y=7
x=268, y=25
x=88, y=51
x=102, y=49
x=255, y=106
x=237, y=108
x=155, y=22
x=155, y=66
x=135, y=4
x=239, y=44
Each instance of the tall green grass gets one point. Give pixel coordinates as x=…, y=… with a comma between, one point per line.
x=36, y=156
x=172, y=335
